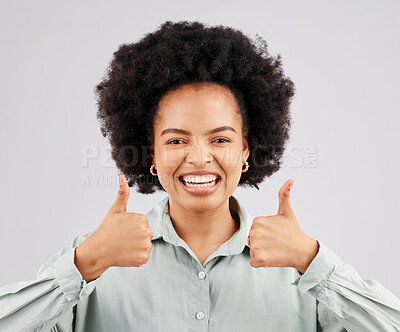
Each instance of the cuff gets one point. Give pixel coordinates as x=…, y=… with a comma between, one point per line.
x=318, y=272
x=69, y=278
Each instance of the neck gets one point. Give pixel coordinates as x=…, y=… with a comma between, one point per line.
x=203, y=228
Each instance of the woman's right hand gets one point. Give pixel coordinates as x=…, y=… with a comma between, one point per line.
x=122, y=239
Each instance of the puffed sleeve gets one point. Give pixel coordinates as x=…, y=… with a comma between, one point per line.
x=345, y=302
x=39, y=304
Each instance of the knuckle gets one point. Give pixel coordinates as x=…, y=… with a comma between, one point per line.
x=145, y=256
x=268, y=220
x=142, y=257
x=258, y=221
x=144, y=220
x=121, y=193
x=140, y=261
x=253, y=263
x=264, y=260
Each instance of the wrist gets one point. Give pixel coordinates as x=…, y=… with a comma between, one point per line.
x=88, y=263
x=311, y=250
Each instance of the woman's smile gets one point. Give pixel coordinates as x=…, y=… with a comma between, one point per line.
x=200, y=182
x=200, y=185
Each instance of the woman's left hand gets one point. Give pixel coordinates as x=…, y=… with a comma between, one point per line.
x=278, y=241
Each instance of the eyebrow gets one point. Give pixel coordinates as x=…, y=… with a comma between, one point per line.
x=186, y=132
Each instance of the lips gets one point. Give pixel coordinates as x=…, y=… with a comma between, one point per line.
x=201, y=190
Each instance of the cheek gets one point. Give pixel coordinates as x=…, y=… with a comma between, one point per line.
x=169, y=158
x=230, y=159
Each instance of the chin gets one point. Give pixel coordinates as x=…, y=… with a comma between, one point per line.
x=204, y=206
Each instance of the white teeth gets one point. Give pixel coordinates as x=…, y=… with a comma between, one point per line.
x=209, y=184
x=199, y=179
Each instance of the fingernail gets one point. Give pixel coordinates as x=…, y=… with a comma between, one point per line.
x=120, y=179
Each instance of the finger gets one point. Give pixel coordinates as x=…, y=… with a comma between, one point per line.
x=285, y=206
x=121, y=201
x=252, y=254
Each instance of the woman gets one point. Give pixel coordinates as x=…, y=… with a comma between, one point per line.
x=213, y=109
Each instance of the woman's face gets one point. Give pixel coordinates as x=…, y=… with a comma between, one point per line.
x=185, y=142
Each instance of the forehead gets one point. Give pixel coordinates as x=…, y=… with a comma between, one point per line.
x=206, y=103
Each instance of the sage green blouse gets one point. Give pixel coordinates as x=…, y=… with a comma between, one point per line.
x=174, y=292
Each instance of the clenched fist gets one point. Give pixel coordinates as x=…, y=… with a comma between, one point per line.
x=278, y=241
x=122, y=239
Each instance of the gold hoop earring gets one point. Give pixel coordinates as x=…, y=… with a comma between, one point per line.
x=246, y=167
x=152, y=168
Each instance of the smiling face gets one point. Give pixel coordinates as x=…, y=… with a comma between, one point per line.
x=186, y=140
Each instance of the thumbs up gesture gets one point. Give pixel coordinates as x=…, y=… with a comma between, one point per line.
x=122, y=239
x=278, y=241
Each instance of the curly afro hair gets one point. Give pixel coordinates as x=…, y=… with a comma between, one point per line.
x=179, y=53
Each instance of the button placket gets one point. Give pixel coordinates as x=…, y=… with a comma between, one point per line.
x=203, y=298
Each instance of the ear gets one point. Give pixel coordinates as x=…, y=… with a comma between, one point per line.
x=152, y=153
x=151, y=149
x=246, y=149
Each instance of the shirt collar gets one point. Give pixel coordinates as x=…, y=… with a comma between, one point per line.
x=162, y=227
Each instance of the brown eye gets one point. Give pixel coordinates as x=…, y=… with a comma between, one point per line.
x=222, y=139
x=174, y=140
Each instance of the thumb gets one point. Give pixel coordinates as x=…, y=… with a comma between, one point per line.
x=285, y=206
x=121, y=201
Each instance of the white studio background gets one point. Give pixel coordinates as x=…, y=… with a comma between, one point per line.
x=343, y=154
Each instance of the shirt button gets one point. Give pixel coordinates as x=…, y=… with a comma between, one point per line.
x=201, y=274
x=200, y=315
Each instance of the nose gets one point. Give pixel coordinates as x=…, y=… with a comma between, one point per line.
x=198, y=154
